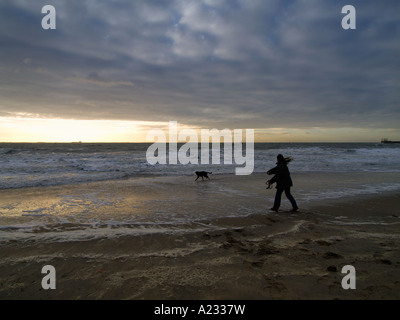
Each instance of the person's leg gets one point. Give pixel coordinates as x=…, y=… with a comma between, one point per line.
x=291, y=199
x=277, y=202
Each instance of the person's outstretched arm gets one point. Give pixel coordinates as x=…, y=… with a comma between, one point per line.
x=272, y=171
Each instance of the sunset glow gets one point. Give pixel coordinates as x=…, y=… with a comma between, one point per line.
x=62, y=130
x=29, y=129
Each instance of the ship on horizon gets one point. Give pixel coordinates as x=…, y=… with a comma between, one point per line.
x=386, y=140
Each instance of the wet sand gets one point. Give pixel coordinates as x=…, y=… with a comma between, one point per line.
x=261, y=256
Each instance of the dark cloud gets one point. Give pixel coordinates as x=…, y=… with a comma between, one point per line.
x=236, y=63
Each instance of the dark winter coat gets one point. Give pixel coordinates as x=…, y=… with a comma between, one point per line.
x=282, y=176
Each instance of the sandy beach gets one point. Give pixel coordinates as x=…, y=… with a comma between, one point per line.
x=261, y=255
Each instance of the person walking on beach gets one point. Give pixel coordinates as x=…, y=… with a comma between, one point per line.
x=283, y=182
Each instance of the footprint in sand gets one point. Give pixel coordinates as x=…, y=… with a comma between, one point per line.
x=331, y=255
x=332, y=269
x=323, y=243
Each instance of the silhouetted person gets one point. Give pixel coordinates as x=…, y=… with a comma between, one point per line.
x=283, y=182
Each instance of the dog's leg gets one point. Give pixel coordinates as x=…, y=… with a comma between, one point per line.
x=197, y=178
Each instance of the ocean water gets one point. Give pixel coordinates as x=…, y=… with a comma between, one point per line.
x=81, y=191
x=45, y=164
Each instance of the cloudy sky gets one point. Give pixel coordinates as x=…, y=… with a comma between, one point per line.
x=113, y=69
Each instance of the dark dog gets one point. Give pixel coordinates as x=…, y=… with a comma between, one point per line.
x=202, y=174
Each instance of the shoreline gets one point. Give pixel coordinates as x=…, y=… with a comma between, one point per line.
x=255, y=257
